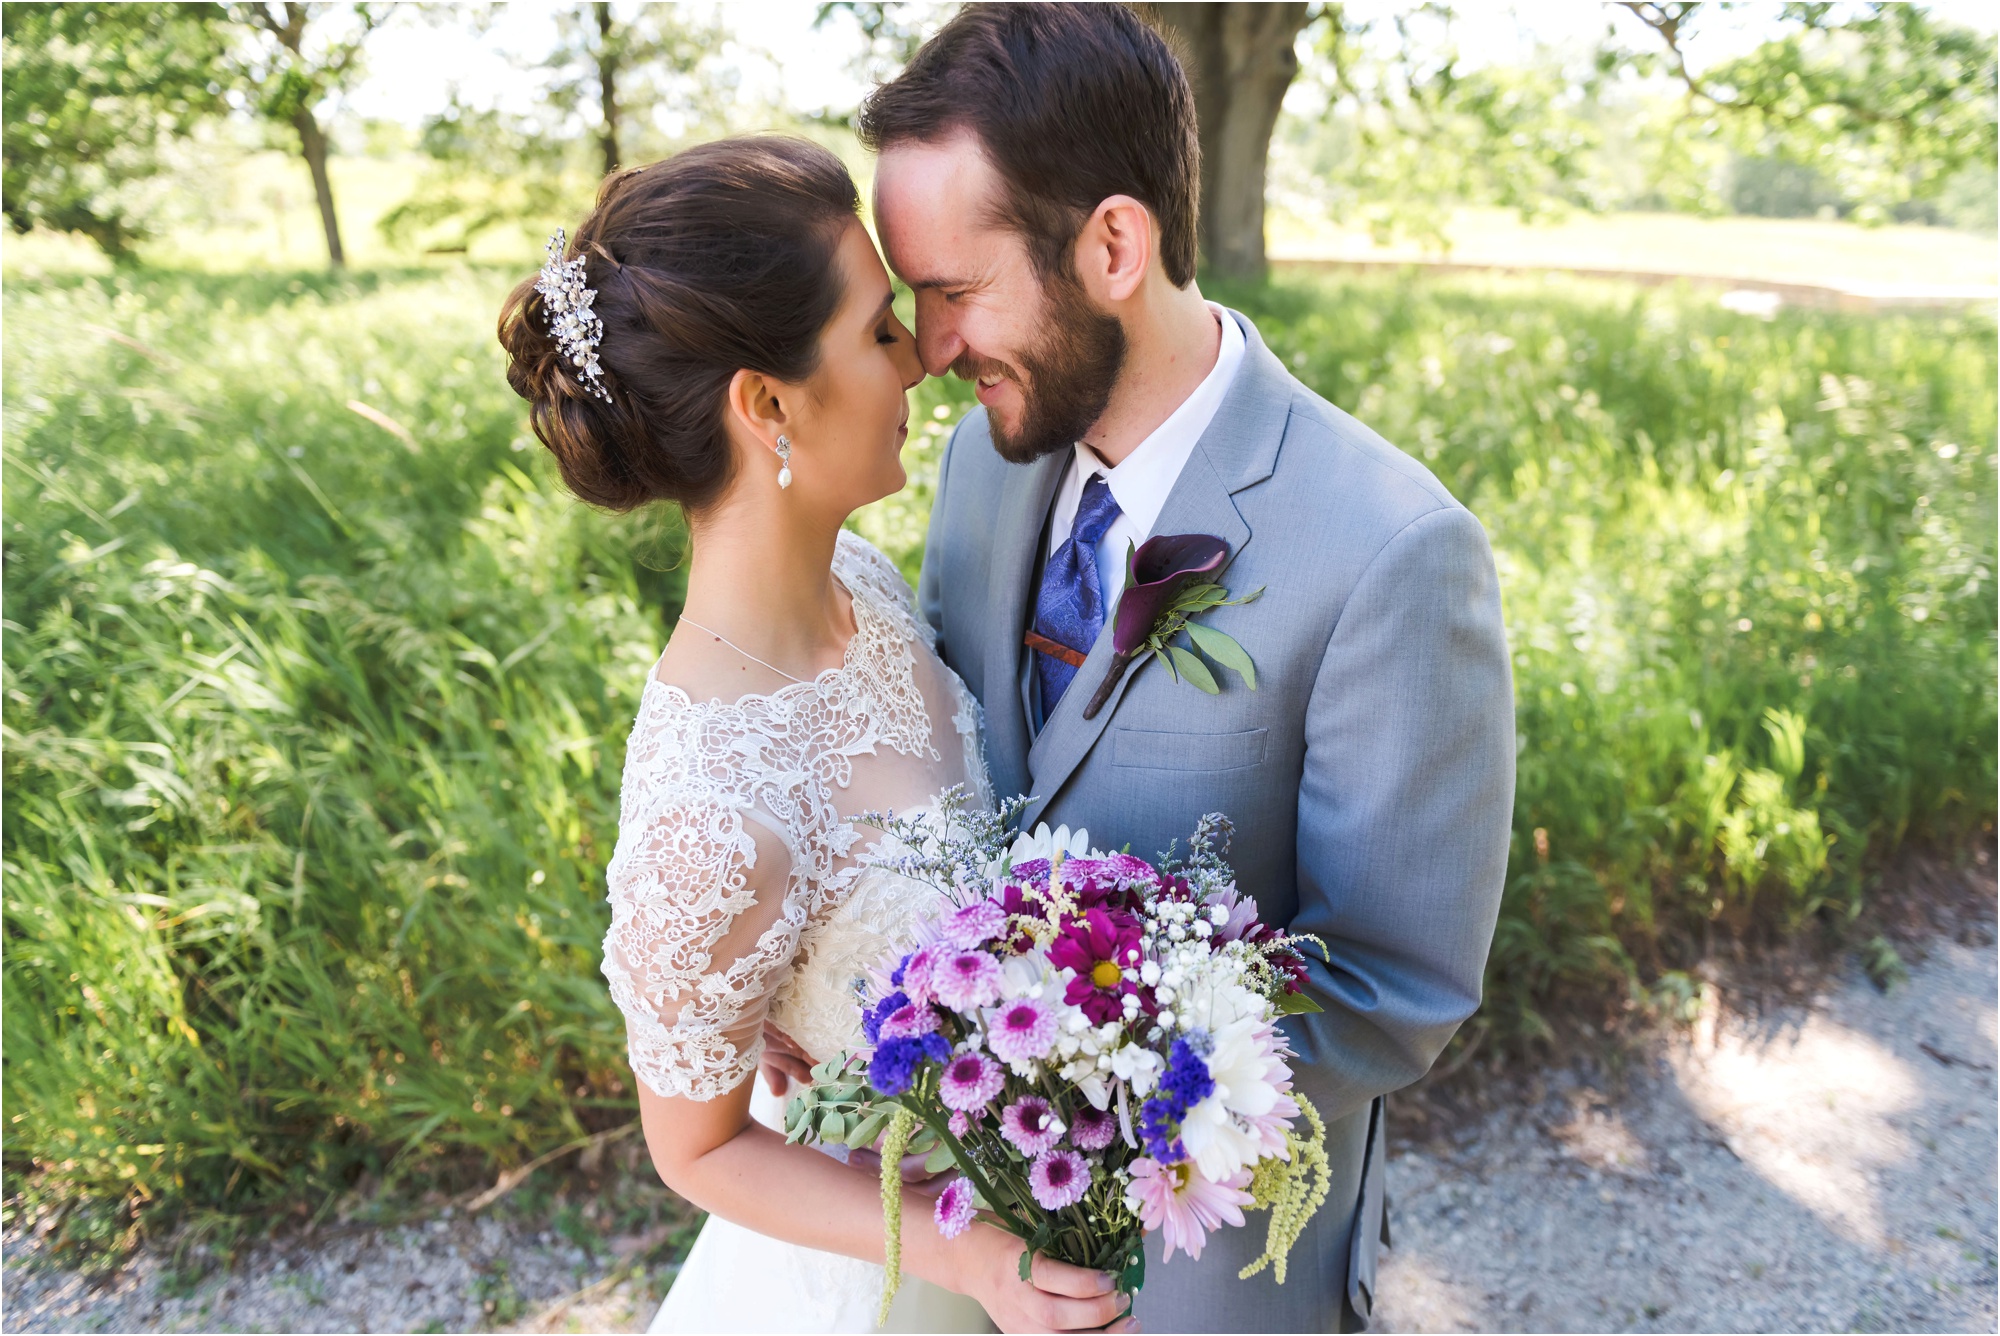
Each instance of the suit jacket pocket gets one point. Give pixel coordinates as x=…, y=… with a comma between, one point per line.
x=1145, y=749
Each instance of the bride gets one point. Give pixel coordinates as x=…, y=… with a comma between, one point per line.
x=719, y=335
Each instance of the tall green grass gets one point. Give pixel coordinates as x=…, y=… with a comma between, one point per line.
x=313, y=726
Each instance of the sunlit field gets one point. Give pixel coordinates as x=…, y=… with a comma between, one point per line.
x=317, y=686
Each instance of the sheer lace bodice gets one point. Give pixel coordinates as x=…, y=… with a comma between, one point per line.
x=736, y=888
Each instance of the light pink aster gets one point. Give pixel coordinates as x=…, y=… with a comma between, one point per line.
x=975, y=925
x=1031, y=1125
x=916, y=983
x=1021, y=1031
x=1058, y=1178
x=908, y=1022
x=970, y=1082
x=953, y=1211
x=965, y=980
x=1183, y=1205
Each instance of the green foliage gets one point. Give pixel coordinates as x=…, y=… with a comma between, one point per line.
x=312, y=741
x=1887, y=100
x=313, y=734
x=93, y=95
x=1748, y=573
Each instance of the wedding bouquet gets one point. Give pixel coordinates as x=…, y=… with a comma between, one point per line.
x=1090, y=1040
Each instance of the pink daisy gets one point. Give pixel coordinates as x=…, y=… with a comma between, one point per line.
x=1031, y=1125
x=1093, y=1129
x=1058, y=1178
x=965, y=980
x=917, y=974
x=954, y=1207
x=970, y=1082
x=1183, y=1205
x=1021, y=1032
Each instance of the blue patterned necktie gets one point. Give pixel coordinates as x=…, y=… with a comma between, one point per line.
x=1070, y=607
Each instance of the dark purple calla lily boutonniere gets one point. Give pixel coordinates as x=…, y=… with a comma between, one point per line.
x=1167, y=583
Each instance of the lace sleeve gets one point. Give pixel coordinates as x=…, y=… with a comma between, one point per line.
x=701, y=930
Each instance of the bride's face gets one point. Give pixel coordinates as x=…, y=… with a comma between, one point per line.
x=855, y=414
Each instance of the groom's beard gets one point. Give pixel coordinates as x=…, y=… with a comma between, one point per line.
x=1068, y=376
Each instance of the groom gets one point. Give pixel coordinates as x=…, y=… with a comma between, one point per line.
x=1037, y=186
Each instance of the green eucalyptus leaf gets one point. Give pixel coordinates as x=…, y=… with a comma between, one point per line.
x=1194, y=670
x=869, y=1130
x=1160, y=653
x=1296, y=1004
x=830, y=1127
x=938, y=1160
x=1225, y=651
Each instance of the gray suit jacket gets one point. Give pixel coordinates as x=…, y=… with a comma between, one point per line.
x=1370, y=775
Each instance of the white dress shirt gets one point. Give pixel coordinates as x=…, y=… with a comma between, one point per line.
x=1141, y=481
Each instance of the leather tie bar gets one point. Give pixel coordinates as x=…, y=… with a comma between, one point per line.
x=1055, y=649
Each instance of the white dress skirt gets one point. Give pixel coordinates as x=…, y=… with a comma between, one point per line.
x=737, y=1280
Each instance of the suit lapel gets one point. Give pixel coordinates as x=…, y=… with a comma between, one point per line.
x=1023, y=507
x=1239, y=448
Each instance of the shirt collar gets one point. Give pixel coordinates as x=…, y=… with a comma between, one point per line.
x=1142, y=480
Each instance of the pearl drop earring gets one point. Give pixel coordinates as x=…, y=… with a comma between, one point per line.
x=784, y=462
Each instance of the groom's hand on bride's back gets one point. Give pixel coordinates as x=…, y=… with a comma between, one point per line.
x=783, y=1062
x=1056, y=1297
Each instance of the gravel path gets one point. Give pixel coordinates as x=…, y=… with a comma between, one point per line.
x=1820, y=1168
x=1827, y=1165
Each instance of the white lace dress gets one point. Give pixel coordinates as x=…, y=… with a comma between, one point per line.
x=698, y=958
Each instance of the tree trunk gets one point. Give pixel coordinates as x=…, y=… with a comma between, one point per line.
x=607, y=87
x=312, y=143
x=1240, y=61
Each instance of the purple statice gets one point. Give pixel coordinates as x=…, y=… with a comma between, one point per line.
x=905, y=1022
x=871, y=1019
x=975, y=925
x=954, y=1207
x=894, y=1067
x=970, y=1082
x=1185, y=1084
x=965, y=980
x=1021, y=1031
x=1058, y=1178
x=1092, y=1129
x=1031, y=1124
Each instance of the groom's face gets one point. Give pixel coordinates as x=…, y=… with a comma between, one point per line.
x=1043, y=358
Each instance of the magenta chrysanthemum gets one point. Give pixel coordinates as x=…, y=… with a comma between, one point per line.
x=965, y=980
x=975, y=925
x=958, y=1124
x=1058, y=1178
x=954, y=1207
x=1092, y=1129
x=1021, y=1031
x=1031, y=1125
x=970, y=1082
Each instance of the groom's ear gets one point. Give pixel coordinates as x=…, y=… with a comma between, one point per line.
x=1116, y=247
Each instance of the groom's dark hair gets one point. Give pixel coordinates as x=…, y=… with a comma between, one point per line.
x=1073, y=103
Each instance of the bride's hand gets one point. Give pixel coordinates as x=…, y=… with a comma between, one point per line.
x=1059, y=1297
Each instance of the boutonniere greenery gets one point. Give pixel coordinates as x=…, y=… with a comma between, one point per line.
x=1169, y=582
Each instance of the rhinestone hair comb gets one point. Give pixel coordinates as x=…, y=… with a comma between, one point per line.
x=576, y=328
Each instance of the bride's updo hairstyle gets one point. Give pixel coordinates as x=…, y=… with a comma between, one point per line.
x=717, y=259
